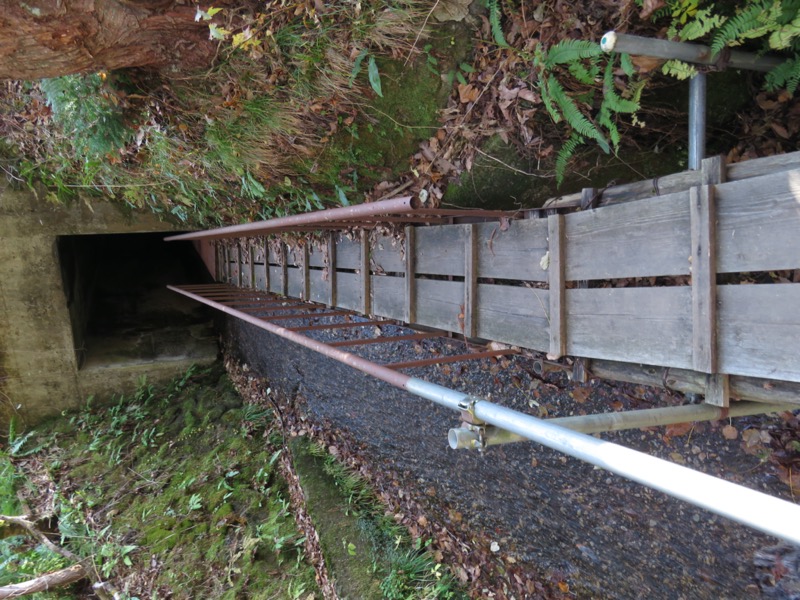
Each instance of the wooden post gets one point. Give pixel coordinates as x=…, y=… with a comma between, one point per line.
x=239, y=264
x=588, y=197
x=304, y=270
x=332, y=268
x=411, y=277
x=253, y=264
x=366, y=276
x=556, y=272
x=471, y=281
x=284, y=258
x=704, y=281
x=218, y=271
x=266, y=266
x=226, y=264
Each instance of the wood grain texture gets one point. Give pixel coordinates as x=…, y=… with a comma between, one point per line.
x=637, y=239
x=757, y=167
x=718, y=390
x=641, y=325
x=760, y=330
x=276, y=279
x=410, y=286
x=440, y=250
x=704, y=278
x=366, y=277
x=386, y=255
x=331, y=267
x=348, y=291
x=470, y=280
x=514, y=315
x=348, y=253
x=294, y=280
x=556, y=282
x=439, y=303
x=388, y=299
x=514, y=253
x=283, y=258
x=316, y=255
x=758, y=223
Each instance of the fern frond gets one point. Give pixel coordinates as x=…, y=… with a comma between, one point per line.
x=547, y=100
x=573, y=115
x=678, y=69
x=586, y=75
x=494, y=22
x=567, y=51
x=704, y=21
x=613, y=101
x=785, y=75
x=783, y=37
x=754, y=21
x=627, y=64
x=563, y=156
x=604, y=119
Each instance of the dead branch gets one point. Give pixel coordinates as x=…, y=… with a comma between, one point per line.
x=43, y=582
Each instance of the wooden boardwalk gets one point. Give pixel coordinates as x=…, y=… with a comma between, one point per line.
x=555, y=284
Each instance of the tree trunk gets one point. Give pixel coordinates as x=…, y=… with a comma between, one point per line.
x=49, y=38
x=43, y=582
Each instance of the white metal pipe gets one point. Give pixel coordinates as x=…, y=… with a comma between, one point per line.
x=685, y=51
x=760, y=511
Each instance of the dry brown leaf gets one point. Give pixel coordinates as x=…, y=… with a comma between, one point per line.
x=649, y=7
x=678, y=429
x=467, y=93
x=730, y=432
x=451, y=10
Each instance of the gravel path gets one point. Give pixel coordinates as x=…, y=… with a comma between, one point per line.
x=603, y=536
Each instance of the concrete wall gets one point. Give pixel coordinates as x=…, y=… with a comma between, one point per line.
x=39, y=374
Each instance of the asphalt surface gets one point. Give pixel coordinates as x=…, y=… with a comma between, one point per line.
x=562, y=518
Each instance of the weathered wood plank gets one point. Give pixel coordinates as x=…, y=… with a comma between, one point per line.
x=366, y=274
x=276, y=279
x=386, y=255
x=316, y=255
x=348, y=291
x=439, y=303
x=348, y=253
x=718, y=390
x=758, y=223
x=637, y=239
x=556, y=282
x=440, y=250
x=514, y=315
x=294, y=282
x=260, y=280
x=641, y=325
x=760, y=330
x=284, y=262
x=239, y=263
x=757, y=167
x=331, y=267
x=515, y=253
x=304, y=271
x=470, y=280
x=247, y=266
x=319, y=290
x=388, y=297
x=410, y=275
x=704, y=278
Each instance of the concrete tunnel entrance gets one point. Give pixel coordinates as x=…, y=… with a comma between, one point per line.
x=122, y=316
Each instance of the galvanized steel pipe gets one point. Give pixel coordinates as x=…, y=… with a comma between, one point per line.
x=697, y=121
x=685, y=51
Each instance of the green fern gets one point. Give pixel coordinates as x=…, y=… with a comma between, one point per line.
x=565, y=154
x=611, y=99
x=494, y=22
x=755, y=20
x=573, y=115
x=569, y=51
x=586, y=75
x=785, y=75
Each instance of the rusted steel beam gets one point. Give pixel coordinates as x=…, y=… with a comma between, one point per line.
x=338, y=325
x=385, y=340
x=309, y=315
x=405, y=204
x=449, y=359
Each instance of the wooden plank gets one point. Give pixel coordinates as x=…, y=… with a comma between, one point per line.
x=556, y=282
x=637, y=239
x=219, y=270
x=470, y=281
x=316, y=255
x=304, y=271
x=760, y=330
x=284, y=260
x=515, y=253
x=252, y=265
x=514, y=315
x=266, y=271
x=387, y=297
x=294, y=282
x=276, y=279
x=640, y=325
x=704, y=277
x=386, y=254
x=239, y=265
x=348, y=253
x=718, y=390
x=410, y=276
x=348, y=291
x=246, y=266
x=758, y=223
x=319, y=290
x=260, y=279
x=366, y=274
x=439, y=303
x=440, y=250
x=764, y=166
x=713, y=170
x=331, y=267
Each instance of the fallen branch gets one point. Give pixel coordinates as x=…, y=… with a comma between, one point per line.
x=43, y=583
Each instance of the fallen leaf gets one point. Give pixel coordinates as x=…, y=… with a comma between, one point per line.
x=451, y=10
x=467, y=93
x=581, y=394
x=649, y=7
x=678, y=429
x=730, y=432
